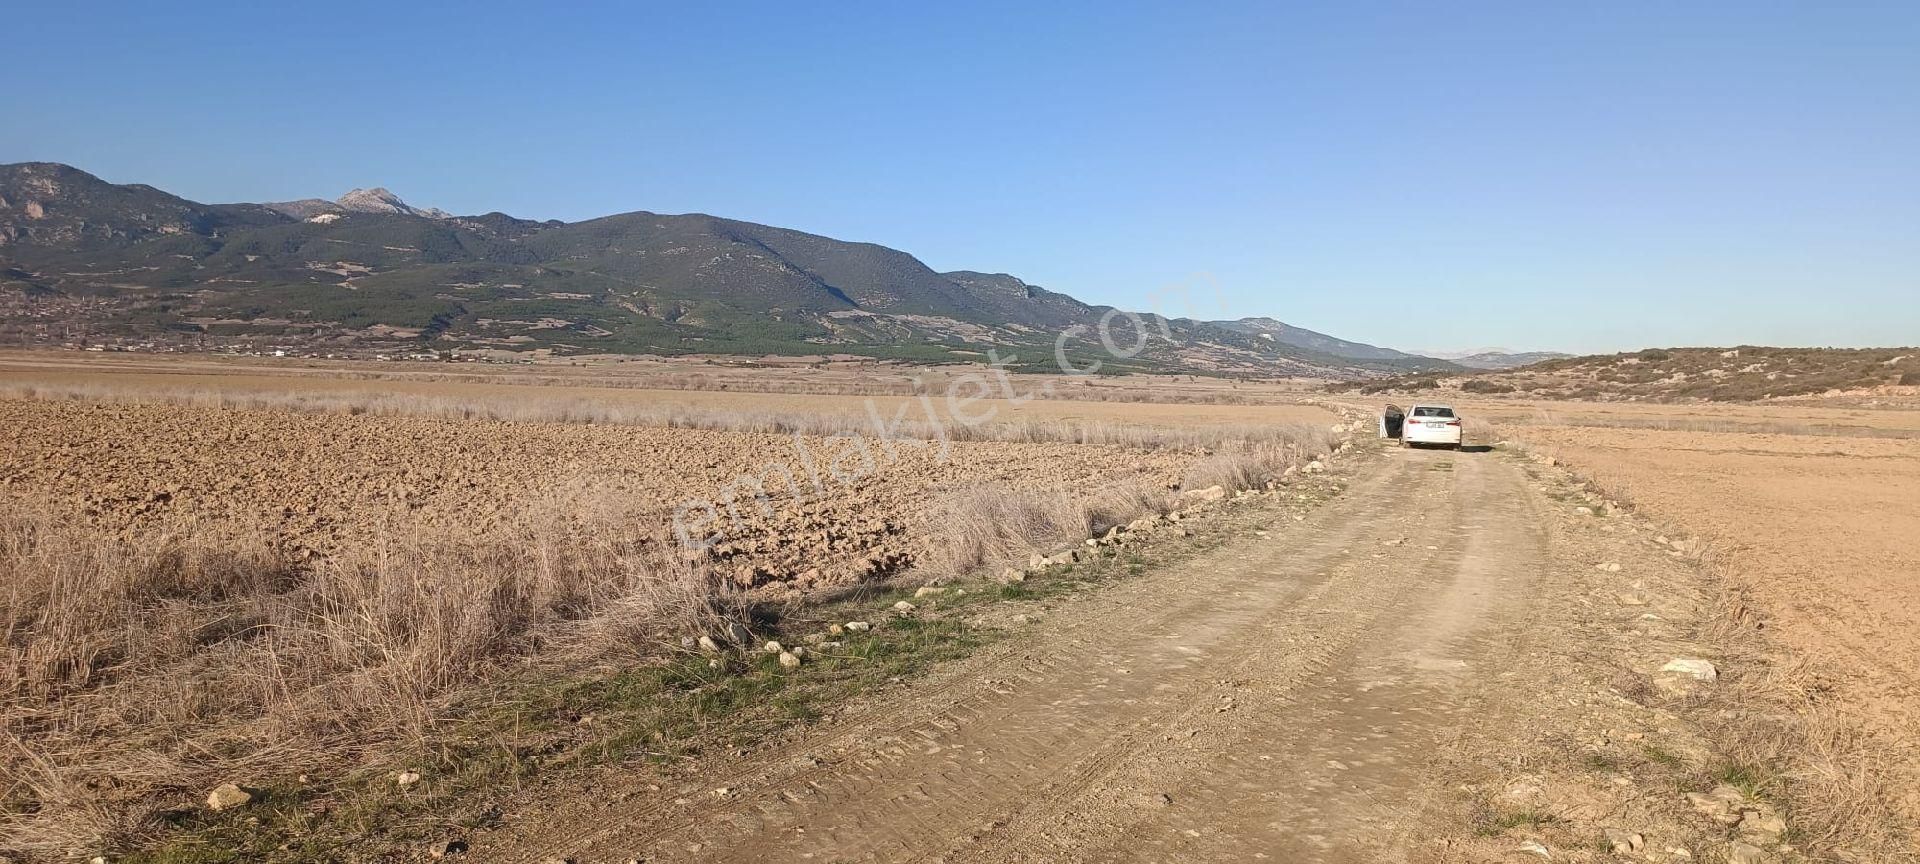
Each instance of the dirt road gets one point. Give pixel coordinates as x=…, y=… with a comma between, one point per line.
x=1302, y=696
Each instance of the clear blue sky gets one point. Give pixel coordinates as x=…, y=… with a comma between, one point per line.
x=1422, y=175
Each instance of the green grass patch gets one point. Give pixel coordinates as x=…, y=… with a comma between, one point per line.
x=1493, y=821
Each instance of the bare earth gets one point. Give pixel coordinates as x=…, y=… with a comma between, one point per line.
x=1820, y=532
x=1354, y=687
x=720, y=390
x=317, y=481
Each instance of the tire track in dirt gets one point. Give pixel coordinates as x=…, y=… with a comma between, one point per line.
x=1276, y=701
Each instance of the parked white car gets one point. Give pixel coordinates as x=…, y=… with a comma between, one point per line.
x=1431, y=424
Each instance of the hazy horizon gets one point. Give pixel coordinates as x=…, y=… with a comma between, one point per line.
x=1583, y=180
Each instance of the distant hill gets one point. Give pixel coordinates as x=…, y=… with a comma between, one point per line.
x=1283, y=333
x=1499, y=359
x=90, y=260
x=1743, y=374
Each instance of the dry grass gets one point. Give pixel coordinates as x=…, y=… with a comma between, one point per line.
x=990, y=527
x=140, y=673
x=783, y=379
x=137, y=672
x=576, y=409
x=1776, y=722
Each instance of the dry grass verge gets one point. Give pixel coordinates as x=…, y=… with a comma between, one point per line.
x=1780, y=732
x=139, y=673
x=984, y=528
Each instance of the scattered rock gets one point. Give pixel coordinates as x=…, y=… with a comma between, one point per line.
x=1721, y=805
x=406, y=778
x=773, y=647
x=1211, y=493
x=929, y=591
x=858, y=626
x=1632, y=598
x=448, y=848
x=1036, y=561
x=904, y=608
x=1624, y=842
x=1020, y=620
x=1682, y=676
x=789, y=659
x=1013, y=575
x=1315, y=467
x=1762, y=827
x=1535, y=847
x=836, y=629
x=708, y=645
x=1745, y=853
x=1692, y=667
x=815, y=638
x=227, y=797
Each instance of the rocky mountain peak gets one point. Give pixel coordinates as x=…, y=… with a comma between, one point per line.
x=377, y=199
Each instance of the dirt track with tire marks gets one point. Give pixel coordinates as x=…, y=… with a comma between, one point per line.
x=1354, y=687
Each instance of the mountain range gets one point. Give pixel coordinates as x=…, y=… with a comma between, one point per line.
x=81, y=258
x=1496, y=358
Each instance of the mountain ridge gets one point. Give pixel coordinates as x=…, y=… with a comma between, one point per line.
x=118, y=262
x=377, y=199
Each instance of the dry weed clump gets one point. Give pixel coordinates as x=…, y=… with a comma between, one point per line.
x=987, y=526
x=1256, y=462
x=140, y=673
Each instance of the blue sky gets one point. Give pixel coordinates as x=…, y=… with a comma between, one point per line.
x=1424, y=175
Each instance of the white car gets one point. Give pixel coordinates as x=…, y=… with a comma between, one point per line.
x=1431, y=424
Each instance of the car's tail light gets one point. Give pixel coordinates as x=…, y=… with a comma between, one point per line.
x=1453, y=422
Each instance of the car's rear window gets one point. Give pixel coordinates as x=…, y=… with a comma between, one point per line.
x=1433, y=412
